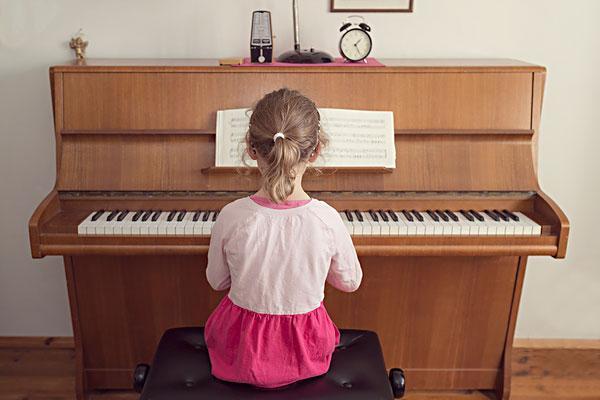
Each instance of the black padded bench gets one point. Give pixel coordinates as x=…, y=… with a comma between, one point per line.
x=181, y=371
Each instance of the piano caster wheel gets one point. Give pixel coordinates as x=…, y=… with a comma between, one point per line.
x=397, y=381
x=139, y=377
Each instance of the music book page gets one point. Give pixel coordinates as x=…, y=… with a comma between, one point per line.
x=357, y=138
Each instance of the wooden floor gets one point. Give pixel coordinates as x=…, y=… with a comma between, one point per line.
x=539, y=373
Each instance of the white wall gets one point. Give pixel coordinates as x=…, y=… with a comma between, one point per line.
x=561, y=298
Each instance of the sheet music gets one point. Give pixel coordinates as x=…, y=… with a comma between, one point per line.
x=357, y=138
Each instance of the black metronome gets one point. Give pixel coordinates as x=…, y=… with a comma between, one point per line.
x=261, y=38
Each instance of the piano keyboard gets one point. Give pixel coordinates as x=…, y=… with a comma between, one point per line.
x=365, y=223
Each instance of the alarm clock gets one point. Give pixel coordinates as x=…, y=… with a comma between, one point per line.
x=355, y=43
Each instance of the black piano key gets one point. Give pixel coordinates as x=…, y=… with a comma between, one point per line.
x=156, y=215
x=146, y=215
x=477, y=215
x=408, y=216
x=418, y=215
x=452, y=216
x=181, y=215
x=491, y=215
x=348, y=215
x=373, y=215
x=393, y=215
x=442, y=215
x=112, y=215
x=171, y=216
x=500, y=214
x=196, y=216
x=205, y=215
x=97, y=215
x=214, y=217
x=359, y=216
x=433, y=216
x=137, y=215
x=511, y=215
x=468, y=216
x=384, y=216
x=122, y=216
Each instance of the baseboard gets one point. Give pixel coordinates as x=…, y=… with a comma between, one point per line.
x=591, y=344
x=35, y=342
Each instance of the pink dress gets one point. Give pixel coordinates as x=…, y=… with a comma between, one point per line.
x=272, y=328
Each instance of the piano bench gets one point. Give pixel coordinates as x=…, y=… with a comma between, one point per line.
x=181, y=371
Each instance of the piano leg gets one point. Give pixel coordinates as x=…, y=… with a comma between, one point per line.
x=503, y=383
x=80, y=392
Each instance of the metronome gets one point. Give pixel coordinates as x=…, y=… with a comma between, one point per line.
x=261, y=38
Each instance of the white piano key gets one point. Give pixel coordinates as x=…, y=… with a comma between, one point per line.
x=357, y=226
x=472, y=228
x=347, y=223
x=375, y=225
x=464, y=225
x=118, y=225
x=510, y=227
x=164, y=223
x=102, y=225
x=386, y=226
x=456, y=225
x=145, y=225
x=136, y=226
x=530, y=227
x=518, y=227
x=367, y=228
x=208, y=224
x=447, y=227
x=431, y=226
x=189, y=223
x=151, y=227
x=411, y=227
x=82, y=228
x=180, y=225
x=198, y=231
x=394, y=226
x=402, y=227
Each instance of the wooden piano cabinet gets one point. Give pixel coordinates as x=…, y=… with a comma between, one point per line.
x=443, y=319
x=139, y=134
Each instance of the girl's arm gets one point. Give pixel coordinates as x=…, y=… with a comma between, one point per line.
x=217, y=271
x=345, y=272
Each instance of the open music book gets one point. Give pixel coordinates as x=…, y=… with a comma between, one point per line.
x=356, y=138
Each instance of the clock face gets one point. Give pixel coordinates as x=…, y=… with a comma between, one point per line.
x=355, y=45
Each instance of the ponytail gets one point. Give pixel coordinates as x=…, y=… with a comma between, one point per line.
x=280, y=174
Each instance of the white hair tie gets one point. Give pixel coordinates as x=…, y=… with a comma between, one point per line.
x=278, y=135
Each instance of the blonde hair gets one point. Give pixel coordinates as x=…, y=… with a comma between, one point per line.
x=296, y=116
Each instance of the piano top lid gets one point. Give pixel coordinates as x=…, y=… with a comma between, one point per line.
x=212, y=65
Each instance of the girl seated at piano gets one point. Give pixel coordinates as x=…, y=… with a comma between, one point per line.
x=274, y=251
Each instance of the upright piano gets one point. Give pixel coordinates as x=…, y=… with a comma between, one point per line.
x=443, y=238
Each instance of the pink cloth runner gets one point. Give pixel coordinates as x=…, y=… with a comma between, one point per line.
x=337, y=62
x=269, y=350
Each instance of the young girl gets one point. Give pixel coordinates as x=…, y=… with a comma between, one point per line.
x=274, y=250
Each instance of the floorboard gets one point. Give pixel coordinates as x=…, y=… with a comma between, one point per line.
x=539, y=373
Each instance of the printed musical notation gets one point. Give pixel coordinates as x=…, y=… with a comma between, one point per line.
x=357, y=138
